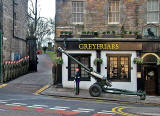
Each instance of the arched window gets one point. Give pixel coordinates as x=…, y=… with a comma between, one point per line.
x=148, y=30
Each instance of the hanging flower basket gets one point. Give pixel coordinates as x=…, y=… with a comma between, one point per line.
x=138, y=61
x=158, y=61
x=59, y=60
x=98, y=60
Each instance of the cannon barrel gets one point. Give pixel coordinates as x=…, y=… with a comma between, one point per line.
x=93, y=73
x=86, y=68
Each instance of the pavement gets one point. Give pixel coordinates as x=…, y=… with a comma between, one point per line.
x=84, y=94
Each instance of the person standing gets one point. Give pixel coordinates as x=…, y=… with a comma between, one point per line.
x=77, y=79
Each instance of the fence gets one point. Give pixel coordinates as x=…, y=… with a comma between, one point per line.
x=14, y=69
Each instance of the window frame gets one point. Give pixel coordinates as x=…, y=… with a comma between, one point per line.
x=82, y=13
x=118, y=63
x=152, y=12
x=69, y=66
x=114, y=12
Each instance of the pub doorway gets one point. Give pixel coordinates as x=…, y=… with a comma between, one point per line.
x=150, y=75
x=150, y=79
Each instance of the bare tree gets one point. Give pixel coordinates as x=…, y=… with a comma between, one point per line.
x=38, y=27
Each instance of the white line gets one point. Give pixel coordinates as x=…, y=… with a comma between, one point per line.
x=80, y=111
x=62, y=107
x=3, y=102
x=150, y=114
x=59, y=108
x=83, y=110
x=105, y=111
x=2, y=110
x=19, y=104
x=86, y=109
x=38, y=106
x=12, y=105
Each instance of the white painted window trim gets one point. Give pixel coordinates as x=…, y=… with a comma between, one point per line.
x=75, y=23
x=154, y=12
x=115, y=12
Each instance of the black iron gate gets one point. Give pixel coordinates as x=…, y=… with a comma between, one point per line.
x=32, y=48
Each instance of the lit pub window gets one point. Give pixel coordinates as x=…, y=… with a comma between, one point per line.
x=118, y=67
x=72, y=65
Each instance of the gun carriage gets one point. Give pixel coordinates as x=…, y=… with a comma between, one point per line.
x=102, y=83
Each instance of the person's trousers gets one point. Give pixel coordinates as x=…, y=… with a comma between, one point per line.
x=77, y=87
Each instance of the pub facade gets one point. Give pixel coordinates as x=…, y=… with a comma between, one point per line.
x=117, y=38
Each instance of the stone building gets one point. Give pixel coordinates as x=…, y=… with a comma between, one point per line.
x=124, y=34
x=13, y=18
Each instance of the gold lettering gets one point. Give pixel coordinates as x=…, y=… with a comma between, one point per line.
x=85, y=46
x=101, y=46
x=113, y=46
x=98, y=46
x=105, y=46
x=81, y=46
x=89, y=46
x=117, y=46
x=109, y=47
x=94, y=46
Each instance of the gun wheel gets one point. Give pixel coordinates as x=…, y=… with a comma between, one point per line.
x=142, y=97
x=95, y=90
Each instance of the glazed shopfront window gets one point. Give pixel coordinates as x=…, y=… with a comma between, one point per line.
x=84, y=59
x=118, y=67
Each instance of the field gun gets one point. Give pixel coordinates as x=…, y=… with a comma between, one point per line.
x=102, y=83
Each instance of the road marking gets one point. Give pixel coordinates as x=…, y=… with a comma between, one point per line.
x=83, y=110
x=41, y=90
x=2, y=102
x=49, y=111
x=118, y=110
x=17, y=104
x=3, y=85
x=105, y=112
x=2, y=110
x=59, y=108
x=150, y=114
x=38, y=106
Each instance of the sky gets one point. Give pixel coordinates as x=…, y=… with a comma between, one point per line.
x=46, y=8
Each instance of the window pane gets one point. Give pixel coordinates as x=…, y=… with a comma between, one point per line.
x=119, y=68
x=77, y=10
x=152, y=11
x=114, y=11
x=124, y=67
x=113, y=67
x=84, y=59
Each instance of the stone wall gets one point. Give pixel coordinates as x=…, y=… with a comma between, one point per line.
x=14, y=43
x=133, y=16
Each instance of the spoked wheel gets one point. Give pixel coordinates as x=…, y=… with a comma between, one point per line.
x=142, y=97
x=95, y=90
